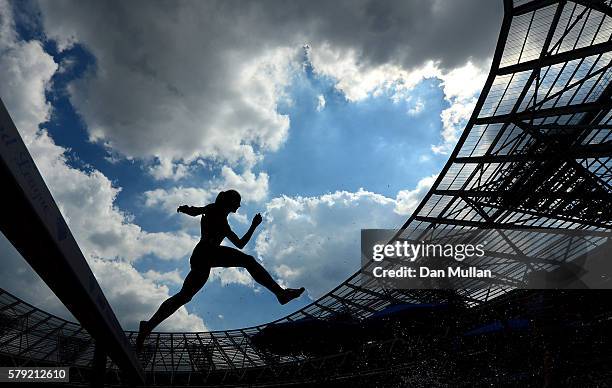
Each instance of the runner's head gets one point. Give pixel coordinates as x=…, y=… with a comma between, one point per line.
x=228, y=200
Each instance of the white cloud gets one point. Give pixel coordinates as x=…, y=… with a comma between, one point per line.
x=135, y=298
x=418, y=107
x=253, y=188
x=108, y=237
x=461, y=87
x=320, y=102
x=232, y=275
x=173, y=277
x=173, y=103
x=239, y=217
x=358, y=80
x=355, y=80
x=462, y=83
x=314, y=241
x=170, y=200
x=165, y=168
x=407, y=200
x=162, y=93
x=87, y=200
x=25, y=74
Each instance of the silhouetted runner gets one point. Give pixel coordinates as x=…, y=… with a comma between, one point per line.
x=209, y=253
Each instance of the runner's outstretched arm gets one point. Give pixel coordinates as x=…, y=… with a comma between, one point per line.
x=192, y=210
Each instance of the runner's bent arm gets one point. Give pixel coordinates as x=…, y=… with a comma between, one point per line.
x=242, y=242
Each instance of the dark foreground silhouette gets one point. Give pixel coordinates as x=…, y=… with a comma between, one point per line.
x=209, y=253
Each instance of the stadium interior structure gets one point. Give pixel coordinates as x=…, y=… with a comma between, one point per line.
x=535, y=155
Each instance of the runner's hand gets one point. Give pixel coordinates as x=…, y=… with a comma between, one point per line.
x=257, y=219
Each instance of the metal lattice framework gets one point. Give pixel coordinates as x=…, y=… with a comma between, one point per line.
x=535, y=154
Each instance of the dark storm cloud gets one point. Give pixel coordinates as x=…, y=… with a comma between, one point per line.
x=213, y=69
x=401, y=32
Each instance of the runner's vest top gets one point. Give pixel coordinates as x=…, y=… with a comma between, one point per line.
x=213, y=226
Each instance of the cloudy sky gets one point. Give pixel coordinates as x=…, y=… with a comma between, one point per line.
x=328, y=117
